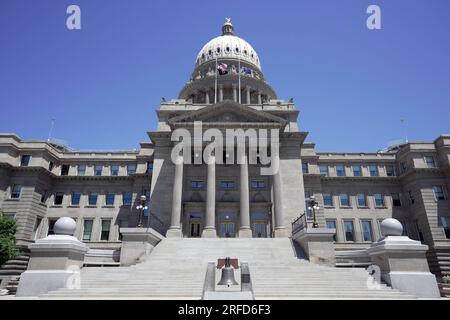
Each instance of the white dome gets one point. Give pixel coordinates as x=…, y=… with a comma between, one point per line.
x=228, y=46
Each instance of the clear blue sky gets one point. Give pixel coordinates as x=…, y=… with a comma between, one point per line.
x=103, y=83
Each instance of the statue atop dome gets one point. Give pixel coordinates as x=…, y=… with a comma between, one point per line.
x=227, y=28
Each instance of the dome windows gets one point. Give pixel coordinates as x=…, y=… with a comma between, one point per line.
x=218, y=50
x=228, y=49
x=209, y=52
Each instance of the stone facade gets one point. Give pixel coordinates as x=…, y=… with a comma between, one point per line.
x=353, y=190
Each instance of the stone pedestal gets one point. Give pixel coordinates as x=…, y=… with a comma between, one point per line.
x=55, y=263
x=404, y=266
x=317, y=244
x=137, y=243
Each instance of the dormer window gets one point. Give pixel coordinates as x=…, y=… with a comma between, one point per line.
x=237, y=49
x=209, y=52
x=218, y=50
x=228, y=49
x=245, y=52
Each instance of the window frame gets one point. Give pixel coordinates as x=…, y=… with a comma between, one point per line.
x=345, y=230
x=96, y=166
x=383, y=205
x=365, y=200
x=348, y=205
x=443, y=197
x=360, y=170
x=377, y=171
x=81, y=173
x=14, y=194
x=107, y=197
x=331, y=199
x=327, y=171
x=109, y=220
x=132, y=171
x=394, y=200
x=63, y=169
x=27, y=162
x=434, y=165
x=72, y=198
x=130, y=198
x=91, y=194
x=362, y=221
x=84, y=229
x=337, y=171
x=56, y=195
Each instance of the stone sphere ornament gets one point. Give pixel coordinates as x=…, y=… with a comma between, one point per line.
x=391, y=227
x=65, y=226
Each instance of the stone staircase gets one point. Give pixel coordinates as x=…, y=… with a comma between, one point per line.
x=176, y=269
x=10, y=272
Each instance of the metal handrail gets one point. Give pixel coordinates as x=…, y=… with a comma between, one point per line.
x=299, y=224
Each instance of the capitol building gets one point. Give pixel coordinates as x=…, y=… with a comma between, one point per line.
x=141, y=216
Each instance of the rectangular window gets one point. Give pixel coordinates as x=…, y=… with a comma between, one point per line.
x=197, y=184
x=366, y=226
x=149, y=167
x=51, y=226
x=323, y=169
x=349, y=230
x=122, y=224
x=25, y=160
x=373, y=169
x=340, y=171
x=305, y=167
x=331, y=224
x=51, y=165
x=114, y=170
x=445, y=221
x=379, y=201
x=227, y=184
x=396, y=200
x=81, y=169
x=430, y=162
x=131, y=168
x=357, y=171
x=93, y=198
x=438, y=193
x=327, y=200
x=87, y=229
x=258, y=184
x=98, y=168
x=110, y=196
x=106, y=226
x=344, y=200
x=15, y=191
x=362, y=200
x=390, y=171
x=65, y=169
x=76, y=198
x=309, y=212
x=127, y=198
x=59, y=196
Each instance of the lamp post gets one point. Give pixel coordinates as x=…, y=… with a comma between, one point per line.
x=141, y=207
x=313, y=205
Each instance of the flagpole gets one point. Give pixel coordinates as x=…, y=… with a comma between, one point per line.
x=239, y=75
x=215, y=86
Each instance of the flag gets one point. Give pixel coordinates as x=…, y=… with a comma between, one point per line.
x=245, y=70
x=222, y=68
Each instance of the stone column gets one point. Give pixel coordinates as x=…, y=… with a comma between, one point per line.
x=244, y=230
x=247, y=92
x=259, y=97
x=209, y=231
x=175, y=228
x=235, y=97
x=280, y=229
x=220, y=92
x=207, y=97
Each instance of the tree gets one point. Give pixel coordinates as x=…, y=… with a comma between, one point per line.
x=8, y=248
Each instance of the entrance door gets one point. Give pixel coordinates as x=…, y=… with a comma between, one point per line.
x=259, y=229
x=227, y=229
x=194, y=229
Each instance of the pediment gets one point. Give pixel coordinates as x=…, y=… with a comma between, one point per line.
x=227, y=112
